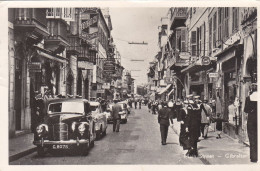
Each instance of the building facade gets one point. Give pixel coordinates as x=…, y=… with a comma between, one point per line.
x=211, y=52
x=55, y=52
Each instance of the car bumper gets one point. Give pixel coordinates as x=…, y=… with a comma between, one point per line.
x=123, y=116
x=69, y=142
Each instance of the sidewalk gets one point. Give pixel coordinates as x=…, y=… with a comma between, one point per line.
x=220, y=151
x=21, y=146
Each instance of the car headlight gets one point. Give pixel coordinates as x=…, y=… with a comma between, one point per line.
x=82, y=127
x=42, y=129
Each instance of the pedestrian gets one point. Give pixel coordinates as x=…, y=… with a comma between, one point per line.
x=149, y=106
x=140, y=103
x=193, y=125
x=135, y=104
x=218, y=116
x=251, y=110
x=205, y=119
x=153, y=107
x=177, y=108
x=184, y=136
x=116, y=108
x=164, y=115
x=130, y=103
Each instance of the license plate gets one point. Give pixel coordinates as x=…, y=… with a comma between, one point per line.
x=59, y=146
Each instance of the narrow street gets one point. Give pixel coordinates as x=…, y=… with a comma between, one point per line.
x=138, y=142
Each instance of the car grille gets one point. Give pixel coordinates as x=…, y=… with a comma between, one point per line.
x=60, y=131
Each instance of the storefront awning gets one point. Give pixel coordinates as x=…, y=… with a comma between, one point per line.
x=165, y=89
x=46, y=54
x=198, y=66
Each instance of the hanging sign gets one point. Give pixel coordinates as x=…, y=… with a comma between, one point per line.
x=89, y=36
x=184, y=55
x=89, y=22
x=35, y=67
x=213, y=75
x=205, y=60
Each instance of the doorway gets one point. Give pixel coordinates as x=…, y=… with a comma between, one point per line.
x=18, y=95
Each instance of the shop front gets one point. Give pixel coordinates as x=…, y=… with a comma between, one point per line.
x=229, y=88
x=196, y=79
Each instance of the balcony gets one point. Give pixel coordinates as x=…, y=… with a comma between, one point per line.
x=74, y=47
x=58, y=38
x=32, y=21
x=178, y=17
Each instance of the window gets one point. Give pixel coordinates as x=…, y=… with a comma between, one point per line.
x=178, y=39
x=198, y=41
x=193, y=43
x=235, y=19
x=226, y=18
x=214, y=29
x=210, y=36
x=220, y=18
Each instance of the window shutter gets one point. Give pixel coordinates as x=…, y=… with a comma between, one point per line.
x=183, y=40
x=193, y=43
x=210, y=36
x=193, y=50
x=220, y=23
x=178, y=39
x=193, y=37
x=214, y=30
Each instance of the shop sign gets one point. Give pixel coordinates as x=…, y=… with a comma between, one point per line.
x=106, y=86
x=35, y=67
x=85, y=65
x=109, y=66
x=101, y=91
x=205, y=60
x=185, y=55
x=89, y=36
x=213, y=75
x=89, y=22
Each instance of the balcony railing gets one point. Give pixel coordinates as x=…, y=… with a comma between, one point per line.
x=178, y=14
x=57, y=30
x=67, y=14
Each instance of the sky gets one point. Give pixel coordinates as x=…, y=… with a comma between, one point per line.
x=136, y=25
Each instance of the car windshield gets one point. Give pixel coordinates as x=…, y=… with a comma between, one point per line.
x=66, y=107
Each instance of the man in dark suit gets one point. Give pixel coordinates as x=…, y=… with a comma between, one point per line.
x=116, y=108
x=164, y=115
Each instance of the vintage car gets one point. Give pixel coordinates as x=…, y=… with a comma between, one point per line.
x=100, y=119
x=68, y=125
x=124, y=113
x=108, y=113
x=126, y=106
